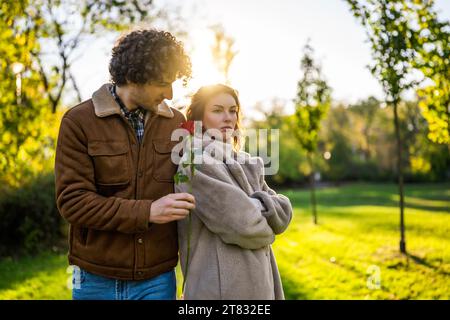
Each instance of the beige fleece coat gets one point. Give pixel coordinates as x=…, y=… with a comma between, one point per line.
x=232, y=227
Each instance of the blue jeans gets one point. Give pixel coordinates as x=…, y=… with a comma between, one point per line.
x=88, y=286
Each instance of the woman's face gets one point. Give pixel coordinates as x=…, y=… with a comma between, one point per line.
x=221, y=113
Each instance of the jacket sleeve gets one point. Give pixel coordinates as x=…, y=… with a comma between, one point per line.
x=76, y=196
x=227, y=210
x=277, y=207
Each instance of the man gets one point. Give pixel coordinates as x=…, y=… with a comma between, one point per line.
x=114, y=174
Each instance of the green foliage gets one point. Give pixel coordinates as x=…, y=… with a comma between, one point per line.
x=28, y=129
x=291, y=157
x=407, y=39
x=29, y=219
x=393, y=43
x=360, y=142
x=390, y=28
x=428, y=161
x=433, y=61
x=180, y=178
x=60, y=28
x=312, y=103
x=434, y=103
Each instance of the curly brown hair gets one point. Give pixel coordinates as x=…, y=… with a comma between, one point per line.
x=146, y=55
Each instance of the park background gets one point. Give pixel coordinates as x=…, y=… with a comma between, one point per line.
x=360, y=92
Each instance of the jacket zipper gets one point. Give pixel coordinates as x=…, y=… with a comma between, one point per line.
x=135, y=139
x=129, y=128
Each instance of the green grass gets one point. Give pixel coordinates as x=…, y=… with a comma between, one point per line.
x=357, y=230
x=45, y=276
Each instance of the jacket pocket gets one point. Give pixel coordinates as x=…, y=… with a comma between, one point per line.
x=111, y=163
x=163, y=167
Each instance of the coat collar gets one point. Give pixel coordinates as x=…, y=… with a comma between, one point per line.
x=105, y=105
x=219, y=153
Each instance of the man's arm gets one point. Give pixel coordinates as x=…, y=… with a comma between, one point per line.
x=80, y=204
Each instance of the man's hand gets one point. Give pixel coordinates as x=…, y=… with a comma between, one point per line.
x=174, y=206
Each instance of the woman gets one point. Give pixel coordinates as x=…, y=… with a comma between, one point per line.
x=237, y=215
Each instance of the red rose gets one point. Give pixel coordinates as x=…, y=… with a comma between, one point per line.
x=189, y=126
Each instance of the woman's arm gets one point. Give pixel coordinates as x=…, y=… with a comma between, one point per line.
x=277, y=208
x=226, y=210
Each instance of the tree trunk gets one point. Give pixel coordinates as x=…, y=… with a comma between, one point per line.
x=400, y=178
x=367, y=151
x=312, y=188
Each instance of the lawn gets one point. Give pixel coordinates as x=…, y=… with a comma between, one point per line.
x=351, y=254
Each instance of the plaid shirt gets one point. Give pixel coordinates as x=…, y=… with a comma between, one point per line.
x=136, y=118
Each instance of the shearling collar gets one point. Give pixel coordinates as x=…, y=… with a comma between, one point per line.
x=217, y=153
x=105, y=105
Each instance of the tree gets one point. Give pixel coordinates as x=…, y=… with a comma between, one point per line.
x=42, y=38
x=311, y=105
x=367, y=109
x=394, y=45
x=63, y=26
x=433, y=61
x=26, y=123
x=290, y=160
x=223, y=51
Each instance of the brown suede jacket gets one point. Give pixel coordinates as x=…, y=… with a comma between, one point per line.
x=105, y=184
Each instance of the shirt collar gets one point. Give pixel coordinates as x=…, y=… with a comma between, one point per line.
x=104, y=104
x=139, y=111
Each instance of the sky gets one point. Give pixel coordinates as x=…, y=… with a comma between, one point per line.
x=269, y=36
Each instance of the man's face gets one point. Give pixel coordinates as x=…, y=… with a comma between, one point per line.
x=149, y=96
